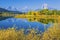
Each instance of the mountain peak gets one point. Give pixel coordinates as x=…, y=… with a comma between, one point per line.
x=11, y=8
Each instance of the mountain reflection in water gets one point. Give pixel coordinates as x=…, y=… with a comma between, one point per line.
x=22, y=23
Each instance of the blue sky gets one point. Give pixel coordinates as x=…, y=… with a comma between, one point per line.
x=29, y=4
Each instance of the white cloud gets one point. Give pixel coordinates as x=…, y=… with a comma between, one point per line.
x=26, y=7
x=44, y=6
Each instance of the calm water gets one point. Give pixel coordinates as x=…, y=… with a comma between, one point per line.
x=22, y=23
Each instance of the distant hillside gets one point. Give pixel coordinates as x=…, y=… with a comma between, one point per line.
x=3, y=10
x=10, y=12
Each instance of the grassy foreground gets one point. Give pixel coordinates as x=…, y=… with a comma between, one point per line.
x=52, y=33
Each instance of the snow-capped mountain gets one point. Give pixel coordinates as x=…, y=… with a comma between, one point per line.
x=12, y=8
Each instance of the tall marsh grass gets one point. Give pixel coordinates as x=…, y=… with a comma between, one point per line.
x=52, y=33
